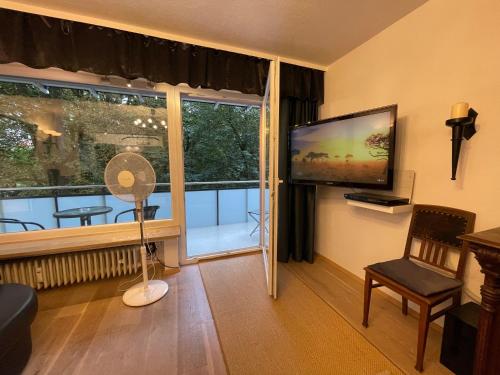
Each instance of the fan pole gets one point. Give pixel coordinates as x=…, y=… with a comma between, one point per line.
x=148, y=291
x=140, y=218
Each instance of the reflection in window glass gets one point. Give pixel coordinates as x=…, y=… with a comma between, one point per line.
x=55, y=143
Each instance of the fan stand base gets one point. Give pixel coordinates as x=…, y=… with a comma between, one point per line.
x=137, y=296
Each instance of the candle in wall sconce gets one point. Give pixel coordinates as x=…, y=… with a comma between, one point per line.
x=462, y=123
x=459, y=110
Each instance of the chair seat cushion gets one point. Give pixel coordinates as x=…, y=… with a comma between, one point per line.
x=418, y=279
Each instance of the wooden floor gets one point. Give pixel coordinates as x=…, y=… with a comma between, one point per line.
x=389, y=330
x=86, y=329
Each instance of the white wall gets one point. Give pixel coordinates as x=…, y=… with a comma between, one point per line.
x=444, y=52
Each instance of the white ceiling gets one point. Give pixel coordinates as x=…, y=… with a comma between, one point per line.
x=315, y=31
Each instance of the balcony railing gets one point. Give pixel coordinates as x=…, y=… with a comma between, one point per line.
x=208, y=203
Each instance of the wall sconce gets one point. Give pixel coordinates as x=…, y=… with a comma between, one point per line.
x=462, y=123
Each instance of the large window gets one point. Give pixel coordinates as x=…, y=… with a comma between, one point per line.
x=54, y=145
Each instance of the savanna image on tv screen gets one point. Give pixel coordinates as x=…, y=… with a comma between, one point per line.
x=353, y=150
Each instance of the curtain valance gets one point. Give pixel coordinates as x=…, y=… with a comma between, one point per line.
x=43, y=42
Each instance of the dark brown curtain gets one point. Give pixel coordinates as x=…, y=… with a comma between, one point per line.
x=43, y=42
x=301, y=94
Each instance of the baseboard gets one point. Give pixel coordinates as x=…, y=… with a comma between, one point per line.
x=412, y=312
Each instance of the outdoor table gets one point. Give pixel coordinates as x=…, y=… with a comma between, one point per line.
x=256, y=216
x=84, y=213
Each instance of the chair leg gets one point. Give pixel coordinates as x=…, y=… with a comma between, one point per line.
x=368, y=294
x=404, y=306
x=423, y=329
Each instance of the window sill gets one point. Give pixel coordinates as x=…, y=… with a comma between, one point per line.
x=20, y=245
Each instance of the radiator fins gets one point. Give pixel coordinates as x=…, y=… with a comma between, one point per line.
x=53, y=271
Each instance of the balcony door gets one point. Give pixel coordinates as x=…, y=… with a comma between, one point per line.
x=229, y=154
x=220, y=137
x=268, y=198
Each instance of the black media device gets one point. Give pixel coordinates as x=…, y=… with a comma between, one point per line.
x=384, y=200
x=459, y=338
x=354, y=150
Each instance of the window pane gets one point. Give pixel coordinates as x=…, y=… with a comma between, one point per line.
x=55, y=143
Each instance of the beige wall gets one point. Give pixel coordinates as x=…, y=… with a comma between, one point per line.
x=444, y=52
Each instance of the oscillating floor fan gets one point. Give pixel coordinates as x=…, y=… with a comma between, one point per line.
x=131, y=178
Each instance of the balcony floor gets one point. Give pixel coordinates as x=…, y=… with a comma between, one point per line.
x=218, y=238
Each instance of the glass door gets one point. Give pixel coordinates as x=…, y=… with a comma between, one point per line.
x=265, y=122
x=227, y=144
x=268, y=181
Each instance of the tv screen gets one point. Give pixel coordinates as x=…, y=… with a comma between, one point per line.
x=355, y=150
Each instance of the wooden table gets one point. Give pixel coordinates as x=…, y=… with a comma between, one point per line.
x=486, y=246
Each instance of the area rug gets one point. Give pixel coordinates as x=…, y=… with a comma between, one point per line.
x=296, y=334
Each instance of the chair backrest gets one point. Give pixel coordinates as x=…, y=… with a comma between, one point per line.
x=150, y=212
x=24, y=224
x=437, y=228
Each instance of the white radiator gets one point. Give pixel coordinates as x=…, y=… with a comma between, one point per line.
x=64, y=269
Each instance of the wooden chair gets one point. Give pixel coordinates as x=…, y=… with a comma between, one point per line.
x=421, y=278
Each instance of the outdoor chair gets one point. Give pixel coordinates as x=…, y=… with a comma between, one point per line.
x=149, y=214
x=426, y=279
x=24, y=224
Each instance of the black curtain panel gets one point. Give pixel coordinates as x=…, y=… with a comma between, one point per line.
x=43, y=42
x=301, y=94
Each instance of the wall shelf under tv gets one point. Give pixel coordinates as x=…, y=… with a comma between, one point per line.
x=378, y=207
x=403, y=187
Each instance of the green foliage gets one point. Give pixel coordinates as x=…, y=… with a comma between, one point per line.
x=16, y=151
x=219, y=143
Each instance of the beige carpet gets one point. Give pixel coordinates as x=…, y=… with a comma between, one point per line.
x=296, y=334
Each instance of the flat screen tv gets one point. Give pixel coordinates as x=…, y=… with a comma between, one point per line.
x=354, y=150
